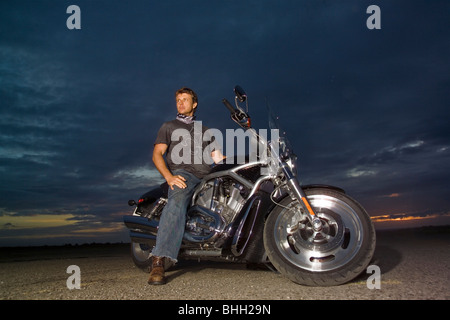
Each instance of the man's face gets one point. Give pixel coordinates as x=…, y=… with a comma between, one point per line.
x=185, y=105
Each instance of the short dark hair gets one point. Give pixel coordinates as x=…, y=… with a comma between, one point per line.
x=188, y=91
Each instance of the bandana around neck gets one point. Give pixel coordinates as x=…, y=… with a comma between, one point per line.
x=185, y=119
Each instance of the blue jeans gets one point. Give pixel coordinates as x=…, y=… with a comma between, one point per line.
x=173, y=218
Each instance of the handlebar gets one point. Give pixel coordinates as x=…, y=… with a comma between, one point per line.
x=229, y=106
x=237, y=115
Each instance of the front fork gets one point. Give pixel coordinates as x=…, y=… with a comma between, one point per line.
x=298, y=193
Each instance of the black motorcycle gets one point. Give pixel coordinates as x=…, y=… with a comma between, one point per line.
x=255, y=211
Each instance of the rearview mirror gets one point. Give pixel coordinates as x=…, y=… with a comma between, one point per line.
x=240, y=93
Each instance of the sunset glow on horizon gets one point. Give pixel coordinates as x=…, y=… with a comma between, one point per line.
x=403, y=220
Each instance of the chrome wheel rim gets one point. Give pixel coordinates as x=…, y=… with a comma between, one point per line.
x=322, y=249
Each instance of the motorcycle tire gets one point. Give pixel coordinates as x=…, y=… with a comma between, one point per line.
x=140, y=253
x=336, y=254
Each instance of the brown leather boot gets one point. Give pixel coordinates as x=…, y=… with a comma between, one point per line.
x=157, y=273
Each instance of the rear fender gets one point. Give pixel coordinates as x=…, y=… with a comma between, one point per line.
x=154, y=194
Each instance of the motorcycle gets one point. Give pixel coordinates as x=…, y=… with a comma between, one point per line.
x=257, y=212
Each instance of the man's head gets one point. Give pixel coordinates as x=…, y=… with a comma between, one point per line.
x=187, y=101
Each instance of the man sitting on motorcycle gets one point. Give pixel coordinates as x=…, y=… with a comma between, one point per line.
x=181, y=176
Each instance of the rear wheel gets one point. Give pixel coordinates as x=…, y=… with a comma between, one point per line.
x=333, y=253
x=140, y=253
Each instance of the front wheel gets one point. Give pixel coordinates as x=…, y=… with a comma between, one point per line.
x=333, y=254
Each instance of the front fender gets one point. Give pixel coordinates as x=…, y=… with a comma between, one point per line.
x=323, y=186
x=280, y=194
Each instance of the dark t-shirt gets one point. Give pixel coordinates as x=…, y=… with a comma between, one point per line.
x=189, y=146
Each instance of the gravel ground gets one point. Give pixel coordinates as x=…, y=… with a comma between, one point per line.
x=414, y=265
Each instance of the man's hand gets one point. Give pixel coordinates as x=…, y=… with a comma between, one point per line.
x=176, y=180
x=217, y=156
x=160, y=164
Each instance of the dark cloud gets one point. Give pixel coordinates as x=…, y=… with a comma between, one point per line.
x=79, y=109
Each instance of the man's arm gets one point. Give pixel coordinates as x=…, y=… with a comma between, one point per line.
x=158, y=159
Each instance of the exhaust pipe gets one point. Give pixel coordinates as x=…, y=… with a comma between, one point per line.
x=139, y=237
x=141, y=225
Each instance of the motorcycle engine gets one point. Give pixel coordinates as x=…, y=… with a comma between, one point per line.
x=223, y=197
x=215, y=207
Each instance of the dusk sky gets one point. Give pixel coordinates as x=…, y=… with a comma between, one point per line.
x=365, y=109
